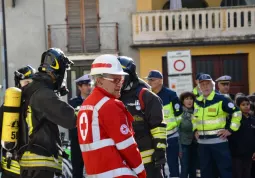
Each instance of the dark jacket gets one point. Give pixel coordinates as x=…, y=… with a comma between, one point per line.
x=242, y=142
x=45, y=112
x=185, y=128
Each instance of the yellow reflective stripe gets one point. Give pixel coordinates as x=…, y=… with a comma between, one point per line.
x=147, y=153
x=235, y=121
x=33, y=160
x=161, y=145
x=147, y=160
x=14, y=167
x=40, y=163
x=159, y=132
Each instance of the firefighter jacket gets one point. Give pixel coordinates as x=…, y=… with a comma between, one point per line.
x=76, y=103
x=45, y=112
x=11, y=167
x=146, y=108
x=210, y=115
x=106, y=138
x=172, y=109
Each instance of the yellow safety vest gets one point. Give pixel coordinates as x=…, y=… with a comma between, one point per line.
x=171, y=120
x=210, y=114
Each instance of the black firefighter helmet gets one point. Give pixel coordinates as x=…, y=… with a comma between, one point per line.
x=23, y=73
x=55, y=63
x=128, y=66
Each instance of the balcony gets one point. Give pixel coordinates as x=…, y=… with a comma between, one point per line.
x=207, y=25
x=80, y=39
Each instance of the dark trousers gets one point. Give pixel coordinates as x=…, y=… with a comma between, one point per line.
x=220, y=154
x=241, y=167
x=189, y=161
x=172, y=153
x=9, y=175
x=253, y=170
x=37, y=174
x=152, y=171
x=76, y=156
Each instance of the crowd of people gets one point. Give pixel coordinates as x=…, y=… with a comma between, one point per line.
x=125, y=126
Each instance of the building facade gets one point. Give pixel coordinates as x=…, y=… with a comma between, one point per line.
x=219, y=33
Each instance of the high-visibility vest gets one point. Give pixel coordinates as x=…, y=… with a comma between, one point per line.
x=210, y=114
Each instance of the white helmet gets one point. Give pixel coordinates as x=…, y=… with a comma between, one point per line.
x=107, y=64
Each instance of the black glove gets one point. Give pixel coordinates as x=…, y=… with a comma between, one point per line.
x=159, y=157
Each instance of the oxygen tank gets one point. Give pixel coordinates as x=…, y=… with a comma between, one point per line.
x=11, y=115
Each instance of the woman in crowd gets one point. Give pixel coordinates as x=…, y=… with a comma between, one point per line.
x=188, y=145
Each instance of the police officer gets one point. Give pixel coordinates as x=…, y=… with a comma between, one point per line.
x=146, y=108
x=84, y=86
x=42, y=156
x=224, y=86
x=172, y=116
x=10, y=167
x=210, y=113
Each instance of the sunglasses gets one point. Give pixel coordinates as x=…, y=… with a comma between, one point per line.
x=115, y=80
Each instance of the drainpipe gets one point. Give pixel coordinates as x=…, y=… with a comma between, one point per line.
x=5, y=45
x=45, y=27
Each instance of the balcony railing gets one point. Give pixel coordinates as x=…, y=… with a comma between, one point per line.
x=84, y=38
x=193, y=24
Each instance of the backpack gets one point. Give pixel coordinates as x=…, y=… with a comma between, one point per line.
x=139, y=94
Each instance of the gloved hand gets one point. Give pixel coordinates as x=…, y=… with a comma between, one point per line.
x=159, y=157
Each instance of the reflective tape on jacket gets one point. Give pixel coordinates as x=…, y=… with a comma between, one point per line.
x=33, y=160
x=14, y=166
x=158, y=132
x=107, y=142
x=209, y=132
x=114, y=173
x=147, y=156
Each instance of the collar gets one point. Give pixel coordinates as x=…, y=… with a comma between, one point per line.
x=210, y=97
x=104, y=92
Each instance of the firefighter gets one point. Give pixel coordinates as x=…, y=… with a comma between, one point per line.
x=172, y=116
x=84, y=86
x=104, y=126
x=146, y=108
x=42, y=156
x=22, y=77
x=210, y=113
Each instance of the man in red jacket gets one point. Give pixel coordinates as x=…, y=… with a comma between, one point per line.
x=105, y=126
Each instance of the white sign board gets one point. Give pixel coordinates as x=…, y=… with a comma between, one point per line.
x=179, y=62
x=180, y=84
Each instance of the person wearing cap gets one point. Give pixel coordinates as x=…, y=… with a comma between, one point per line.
x=196, y=91
x=172, y=116
x=105, y=126
x=209, y=121
x=84, y=86
x=224, y=86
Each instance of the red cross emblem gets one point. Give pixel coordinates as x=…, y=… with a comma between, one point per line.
x=83, y=123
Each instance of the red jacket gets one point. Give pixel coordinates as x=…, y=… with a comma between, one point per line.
x=106, y=138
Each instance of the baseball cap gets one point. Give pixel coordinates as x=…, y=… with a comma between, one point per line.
x=155, y=74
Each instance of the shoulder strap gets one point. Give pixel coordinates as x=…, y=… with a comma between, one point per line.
x=140, y=92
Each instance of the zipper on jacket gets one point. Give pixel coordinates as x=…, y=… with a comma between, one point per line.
x=203, y=119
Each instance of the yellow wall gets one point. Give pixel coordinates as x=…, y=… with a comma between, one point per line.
x=213, y=3
x=148, y=5
x=143, y=5
x=150, y=58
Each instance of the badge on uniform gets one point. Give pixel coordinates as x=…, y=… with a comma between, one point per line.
x=137, y=105
x=177, y=107
x=211, y=109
